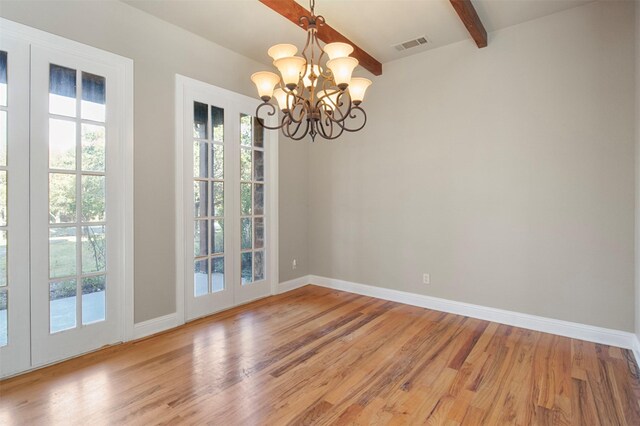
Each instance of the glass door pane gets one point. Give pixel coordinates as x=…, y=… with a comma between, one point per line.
x=208, y=199
x=252, y=211
x=77, y=198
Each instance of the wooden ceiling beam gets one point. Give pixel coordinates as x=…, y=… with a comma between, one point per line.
x=293, y=11
x=471, y=20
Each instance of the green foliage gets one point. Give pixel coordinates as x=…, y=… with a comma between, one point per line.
x=218, y=199
x=3, y=299
x=218, y=236
x=93, y=194
x=218, y=161
x=62, y=197
x=3, y=262
x=61, y=290
x=93, y=151
x=63, y=207
x=246, y=267
x=246, y=233
x=94, y=249
x=3, y=197
x=93, y=284
x=245, y=164
x=64, y=289
x=245, y=198
x=245, y=129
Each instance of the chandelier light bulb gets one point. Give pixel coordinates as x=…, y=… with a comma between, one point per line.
x=357, y=88
x=290, y=69
x=307, y=79
x=342, y=68
x=338, y=50
x=281, y=98
x=280, y=51
x=265, y=81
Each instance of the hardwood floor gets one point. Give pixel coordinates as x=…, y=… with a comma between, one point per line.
x=319, y=356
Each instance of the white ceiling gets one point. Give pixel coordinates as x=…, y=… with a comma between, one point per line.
x=250, y=28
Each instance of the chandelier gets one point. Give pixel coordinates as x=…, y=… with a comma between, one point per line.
x=317, y=95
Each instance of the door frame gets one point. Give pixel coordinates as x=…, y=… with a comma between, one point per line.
x=182, y=85
x=124, y=181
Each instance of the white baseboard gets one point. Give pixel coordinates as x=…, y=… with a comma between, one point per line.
x=574, y=330
x=156, y=325
x=636, y=349
x=167, y=322
x=285, y=286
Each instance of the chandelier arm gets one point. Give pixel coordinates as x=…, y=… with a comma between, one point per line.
x=303, y=74
x=337, y=111
x=332, y=125
x=292, y=135
x=270, y=113
x=353, y=115
x=328, y=86
x=325, y=101
x=338, y=116
x=327, y=75
x=287, y=129
x=325, y=128
x=302, y=19
x=286, y=120
x=324, y=72
x=297, y=100
x=300, y=106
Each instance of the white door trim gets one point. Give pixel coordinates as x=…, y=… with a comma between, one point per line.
x=183, y=84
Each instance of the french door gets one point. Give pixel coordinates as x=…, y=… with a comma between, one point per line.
x=73, y=207
x=14, y=203
x=227, y=204
x=62, y=199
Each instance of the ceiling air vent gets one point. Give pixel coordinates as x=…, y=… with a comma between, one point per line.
x=411, y=43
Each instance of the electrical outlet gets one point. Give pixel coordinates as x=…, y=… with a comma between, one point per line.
x=294, y=264
x=426, y=278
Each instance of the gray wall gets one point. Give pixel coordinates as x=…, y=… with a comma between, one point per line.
x=506, y=173
x=637, y=169
x=293, y=208
x=159, y=51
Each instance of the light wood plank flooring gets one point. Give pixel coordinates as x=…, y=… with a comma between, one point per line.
x=318, y=356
